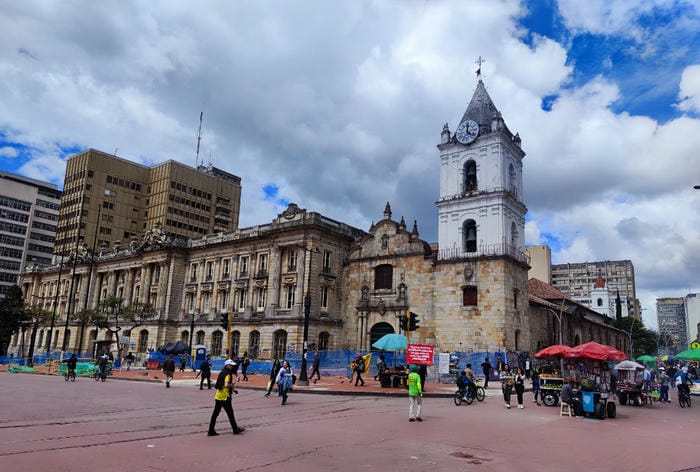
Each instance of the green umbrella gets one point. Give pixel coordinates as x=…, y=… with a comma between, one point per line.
x=646, y=358
x=689, y=355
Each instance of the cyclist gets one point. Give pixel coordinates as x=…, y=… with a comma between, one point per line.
x=71, y=363
x=471, y=382
x=683, y=382
x=102, y=364
x=466, y=383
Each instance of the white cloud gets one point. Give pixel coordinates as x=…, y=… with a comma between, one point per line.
x=8, y=152
x=689, y=93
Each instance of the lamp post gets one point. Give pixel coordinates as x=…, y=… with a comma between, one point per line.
x=192, y=317
x=55, y=305
x=303, y=378
x=630, y=336
x=561, y=340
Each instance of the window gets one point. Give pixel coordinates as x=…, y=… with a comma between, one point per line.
x=210, y=270
x=235, y=343
x=470, y=183
x=193, y=273
x=253, y=343
x=599, y=302
x=469, y=233
x=225, y=268
x=383, y=277
x=216, y=342
x=514, y=235
x=512, y=180
x=515, y=298
x=289, y=296
x=206, y=302
x=323, y=338
x=242, y=294
x=326, y=261
x=262, y=263
x=223, y=300
x=261, y=298
x=292, y=260
x=279, y=344
x=243, y=267
x=469, y=296
x=324, y=296
x=143, y=341
x=200, y=337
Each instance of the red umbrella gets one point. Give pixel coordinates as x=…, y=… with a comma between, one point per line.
x=597, y=351
x=555, y=350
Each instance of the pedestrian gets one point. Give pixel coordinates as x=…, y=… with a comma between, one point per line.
x=359, y=369
x=671, y=372
x=519, y=384
x=205, y=372
x=183, y=361
x=499, y=363
x=225, y=386
x=536, y=385
x=527, y=368
x=415, y=395
x=245, y=362
x=169, y=370
x=284, y=381
x=128, y=360
x=486, y=369
x=316, y=366
x=381, y=367
x=506, y=384
x=276, y=366
x=664, y=383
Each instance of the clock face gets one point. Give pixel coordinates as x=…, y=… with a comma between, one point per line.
x=467, y=132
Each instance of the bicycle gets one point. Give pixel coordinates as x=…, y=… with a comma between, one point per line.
x=477, y=392
x=70, y=375
x=100, y=374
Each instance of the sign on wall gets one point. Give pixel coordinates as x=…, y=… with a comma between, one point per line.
x=419, y=354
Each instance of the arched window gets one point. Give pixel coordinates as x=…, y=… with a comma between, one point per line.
x=200, y=337
x=514, y=235
x=143, y=341
x=216, y=342
x=323, y=340
x=599, y=302
x=185, y=337
x=383, y=277
x=254, y=343
x=512, y=181
x=517, y=339
x=235, y=343
x=469, y=232
x=279, y=344
x=379, y=330
x=470, y=183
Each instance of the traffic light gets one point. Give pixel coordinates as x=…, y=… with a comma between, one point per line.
x=224, y=321
x=403, y=323
x=413, y=322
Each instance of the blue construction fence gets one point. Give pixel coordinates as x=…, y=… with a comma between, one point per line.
x=337, y=363
x=42, y=359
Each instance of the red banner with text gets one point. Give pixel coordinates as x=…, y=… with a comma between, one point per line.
x=419, y=354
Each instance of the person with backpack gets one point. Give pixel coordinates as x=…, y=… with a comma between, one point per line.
x=359, y=369
x=245, y=362
x=225, y=386
x=285, y=381
x=169, y=370
x=205, y=372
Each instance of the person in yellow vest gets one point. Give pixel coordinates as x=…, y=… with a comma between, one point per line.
x=415, y=395
x=225, y=384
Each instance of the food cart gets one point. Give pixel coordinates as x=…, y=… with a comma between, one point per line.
x=550, y=388
x=630, y=377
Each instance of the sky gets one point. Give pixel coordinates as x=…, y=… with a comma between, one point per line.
x=338, y=107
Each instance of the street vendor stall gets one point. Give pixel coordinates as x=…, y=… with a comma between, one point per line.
x=630, y=379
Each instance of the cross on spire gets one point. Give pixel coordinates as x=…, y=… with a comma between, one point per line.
x=478, y=71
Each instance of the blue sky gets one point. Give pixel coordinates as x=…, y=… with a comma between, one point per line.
x=338, y=108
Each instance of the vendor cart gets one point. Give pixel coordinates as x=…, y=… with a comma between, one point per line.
x=550, y=389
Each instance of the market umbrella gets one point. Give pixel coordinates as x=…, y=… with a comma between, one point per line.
x=555, y=350
x=646, y=358
x=628, y=365
x=391, y=342
x=667, y=357
x=689, y=355
x=595, y=351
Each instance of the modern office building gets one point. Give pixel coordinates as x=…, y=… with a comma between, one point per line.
x=108, y=200
x=673, y=326
x=28, y=214
x=578, y=280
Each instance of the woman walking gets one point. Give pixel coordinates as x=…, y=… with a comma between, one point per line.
x=520, y=386
x=273, y=376
x=506, y=384
x=284, y=381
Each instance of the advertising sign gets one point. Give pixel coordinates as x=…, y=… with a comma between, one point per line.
x=444, y=363
x=419, y=354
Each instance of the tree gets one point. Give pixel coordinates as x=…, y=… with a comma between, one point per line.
x=644, y=341
x=35, y=317
x=114, y=316
x=12, y=316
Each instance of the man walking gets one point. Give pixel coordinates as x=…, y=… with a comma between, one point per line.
x=205, y=372
x=316, y=365
x=415, y=395
x=129, y=359
x=486, y=369
x=169, y=370
x=225, y=384
x=245, y=362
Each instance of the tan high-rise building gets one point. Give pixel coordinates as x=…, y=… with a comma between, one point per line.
x=121, y=200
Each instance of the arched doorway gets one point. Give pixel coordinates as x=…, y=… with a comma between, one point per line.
x=379, y=330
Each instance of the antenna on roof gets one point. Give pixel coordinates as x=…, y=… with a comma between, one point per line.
x=199, y=138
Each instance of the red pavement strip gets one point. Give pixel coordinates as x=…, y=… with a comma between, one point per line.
x=327, y=385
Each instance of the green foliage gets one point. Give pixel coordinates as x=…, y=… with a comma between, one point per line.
x=644, y=341
x=12, y=316
x=114, y=316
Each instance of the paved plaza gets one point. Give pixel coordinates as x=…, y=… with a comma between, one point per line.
x=129, y=425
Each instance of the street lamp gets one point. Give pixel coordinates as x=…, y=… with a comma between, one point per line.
x=303, y=378
x=55, y=306
x=630, y=336
x=561, y=340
